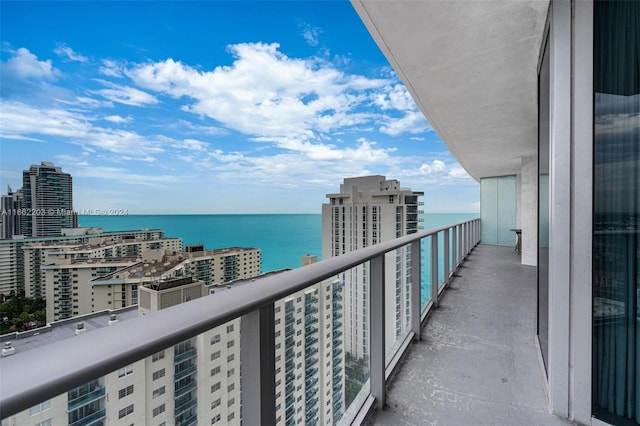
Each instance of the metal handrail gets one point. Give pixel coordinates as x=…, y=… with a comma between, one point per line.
x=31, y=377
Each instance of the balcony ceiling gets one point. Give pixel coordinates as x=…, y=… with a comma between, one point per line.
x=471, y=66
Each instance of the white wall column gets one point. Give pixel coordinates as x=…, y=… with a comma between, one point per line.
x=581, y=218
x=529, y=210
x=560, y=202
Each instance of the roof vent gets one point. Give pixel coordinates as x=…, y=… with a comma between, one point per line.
x=113, y=318
x=8, y=349
x=80, y=328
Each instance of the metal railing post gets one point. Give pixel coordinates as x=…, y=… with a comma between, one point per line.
x=377, y=339
x=416, y=273
x=434, y=269
x=446, y=265
x=257, y=356
x=454, y=248
x=461, y=245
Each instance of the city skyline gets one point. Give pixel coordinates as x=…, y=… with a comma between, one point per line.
x=212, y=107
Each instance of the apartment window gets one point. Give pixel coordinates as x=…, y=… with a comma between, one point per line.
x=47, y=422
x=231, y=372
x=158, y=410
x=157, y=356
x=125, y=371
x=40, y=407
x=229, y=328
x=215, y=339
x=215, y=420
x=231, y=387
x=215, y=355
x=215, y=371
x=230, y=402
x=231, y=416
x=158, y=392
x=215, y=403
x=125, y=411
x=215, y=387
x=125, y=391
x=230, y=343
x=158, y=374
x=230, y=358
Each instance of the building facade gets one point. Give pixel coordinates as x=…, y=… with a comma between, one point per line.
x=369, y=210
x=47, y=201
x=22, y=258
x=10, y=220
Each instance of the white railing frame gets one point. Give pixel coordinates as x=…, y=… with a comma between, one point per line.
x=31, y=377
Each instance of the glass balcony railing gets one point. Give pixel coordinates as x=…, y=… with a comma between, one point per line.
x=85, y=399
x=248, y=371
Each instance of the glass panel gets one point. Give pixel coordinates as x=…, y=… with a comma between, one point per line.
x=356, y=338
x=397, y=299
x=310, y=354
x=543, y=204
x=425, y=271
x=616, y=240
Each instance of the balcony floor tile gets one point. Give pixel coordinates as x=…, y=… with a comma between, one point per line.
x=477, y=363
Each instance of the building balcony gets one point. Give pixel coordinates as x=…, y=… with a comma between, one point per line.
x=480, y=342
x=86, y=399
x=27, y=382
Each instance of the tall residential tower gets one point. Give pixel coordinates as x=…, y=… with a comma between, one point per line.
x=48, y=201
x=370, y=210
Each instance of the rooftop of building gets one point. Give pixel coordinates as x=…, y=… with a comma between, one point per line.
x=66, y=329
x=54, y=240
x=217, y=252
x=139, y=270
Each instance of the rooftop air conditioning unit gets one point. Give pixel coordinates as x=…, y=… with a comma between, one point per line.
x=8, y=349
x=80, y=328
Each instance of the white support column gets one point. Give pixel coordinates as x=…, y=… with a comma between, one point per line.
x=529, y=213
x=560, y=205
x=377, y=331
x=257, y=363
x=581, y=222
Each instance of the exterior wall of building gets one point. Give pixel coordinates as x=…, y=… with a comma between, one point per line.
x=68, y=291
x=310, y=355
x=47, y=189
x=369, y=210
x=10, y=219
x=11, y=269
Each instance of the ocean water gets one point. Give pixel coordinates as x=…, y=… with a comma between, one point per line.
x=282, y=238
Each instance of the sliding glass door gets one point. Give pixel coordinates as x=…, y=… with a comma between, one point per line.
x=616, y=220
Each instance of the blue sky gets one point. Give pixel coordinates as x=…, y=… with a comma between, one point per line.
x=211, y=107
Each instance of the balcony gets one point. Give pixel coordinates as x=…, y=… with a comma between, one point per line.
x=481, y=342
x=105, y=350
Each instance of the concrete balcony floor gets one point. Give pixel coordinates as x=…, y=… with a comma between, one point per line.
x=477, y=362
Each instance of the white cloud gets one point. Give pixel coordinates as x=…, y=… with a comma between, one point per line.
x=191, y=145
x=118, y=119
x=23, y=120
x=111, y=68
x=25, y=65
x=266, y=94
x=210, y=130
x=125, y=95
x=63, y=50
x=123, y=175
x=412, y=122
x=311, y=34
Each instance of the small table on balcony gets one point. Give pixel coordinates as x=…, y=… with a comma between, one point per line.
x=518, y=246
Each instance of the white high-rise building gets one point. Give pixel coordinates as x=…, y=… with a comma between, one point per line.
x=198, y=380
x=370, y=210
